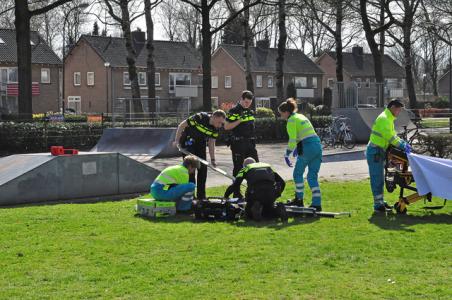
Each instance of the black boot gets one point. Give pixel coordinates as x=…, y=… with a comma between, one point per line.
x=296, y=202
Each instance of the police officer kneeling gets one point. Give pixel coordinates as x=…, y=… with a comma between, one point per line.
x=264, y=187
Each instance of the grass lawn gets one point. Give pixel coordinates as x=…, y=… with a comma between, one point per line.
x=435, y=122
x=102, y=250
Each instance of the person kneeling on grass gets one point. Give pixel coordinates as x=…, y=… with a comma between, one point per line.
x=172, y=184
x=264, y=187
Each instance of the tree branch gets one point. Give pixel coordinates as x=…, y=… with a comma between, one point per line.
x=48, y=7
x=233, y=16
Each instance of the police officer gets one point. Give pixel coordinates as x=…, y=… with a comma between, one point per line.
x=240, y=120
x=304, y=142
x=264, y=187
x=382, y=136
x=172, y=184
x=194, y=134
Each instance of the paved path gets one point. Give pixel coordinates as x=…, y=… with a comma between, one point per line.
x=338, y=164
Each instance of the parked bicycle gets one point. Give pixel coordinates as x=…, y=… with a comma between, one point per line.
x=339, y=133
x=415, y=137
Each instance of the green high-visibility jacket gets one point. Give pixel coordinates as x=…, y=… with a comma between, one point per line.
x=298, y=128
x=173, y=175
x=383, y=132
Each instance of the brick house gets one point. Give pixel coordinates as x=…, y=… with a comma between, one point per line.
x=45, y=68
x=359, y=76
x=96, y=73
x=228, y=74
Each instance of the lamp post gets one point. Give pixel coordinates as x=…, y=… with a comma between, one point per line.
x=107, y=65
x=80, y=6
x=423, y=84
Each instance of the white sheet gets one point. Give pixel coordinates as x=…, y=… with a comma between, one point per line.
x=432, y=175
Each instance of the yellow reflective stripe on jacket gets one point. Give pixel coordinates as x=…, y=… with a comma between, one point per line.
x=256, y=165
x=298, y=128
x=383, y=132
x=243, y=118
x=201, y=128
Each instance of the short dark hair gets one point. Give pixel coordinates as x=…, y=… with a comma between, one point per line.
x=397, y=102
x=247, y=95
x=219, y=114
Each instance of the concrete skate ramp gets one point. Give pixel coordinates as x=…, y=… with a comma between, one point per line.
x=155, y=142
x=362, y=120
x=34, y=178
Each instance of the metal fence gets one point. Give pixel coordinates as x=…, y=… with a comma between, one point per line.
x=149, y=110
x=365, y=94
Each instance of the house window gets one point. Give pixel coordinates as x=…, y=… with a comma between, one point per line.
x=214, y=103
x=75, y=103
x=367, y=85
x=270, y=82
x=301, y=82
x=90, y=78
x=358, y=83
x=125, y=78
x=12, y=75
x=141, y=78
x=177, y=79
x=214, y=82
x=45, y=75
x=314, y=82
x=330, y=83
x=77, y=78
x=259, y=81
x=227, y=82
x=157, y=79
x=262, y=102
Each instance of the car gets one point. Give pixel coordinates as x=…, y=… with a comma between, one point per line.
x=365, y=105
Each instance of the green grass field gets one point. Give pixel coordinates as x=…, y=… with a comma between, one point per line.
x=73, y=251
x=435, y=122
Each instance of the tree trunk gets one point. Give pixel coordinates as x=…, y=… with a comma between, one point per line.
x=281, y=50
x=409, y=65
x=150, y=58
x=434, y=71
x=376, y=53
x=246, y=52
x=338, y=41
x=131, y=57
x=382, y=33
x=206, y=57
x=22, y=24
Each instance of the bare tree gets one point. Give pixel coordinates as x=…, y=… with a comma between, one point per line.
x=23, y=15
x=148, y=7
x=372, y=28
x=281, y=50
x=205, y=7
x=119, y=11
x=404, y=21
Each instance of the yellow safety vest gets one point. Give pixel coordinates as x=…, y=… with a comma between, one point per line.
x=173, y=175
x=298, y=128
x=383, y=132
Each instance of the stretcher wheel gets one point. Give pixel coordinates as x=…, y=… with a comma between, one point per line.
x=390, y=186
x=399, y=210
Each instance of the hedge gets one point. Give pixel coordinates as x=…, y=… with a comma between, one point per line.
x=437, y=145
x=39, y=136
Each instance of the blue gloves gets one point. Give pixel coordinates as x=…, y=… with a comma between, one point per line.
x=407, y=148
x=287, y=159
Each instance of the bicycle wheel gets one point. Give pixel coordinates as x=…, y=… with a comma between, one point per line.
x=349, y=140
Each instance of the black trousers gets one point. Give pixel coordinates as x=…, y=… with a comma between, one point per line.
x=242, y=149
x=200, y=181
x=264, y=193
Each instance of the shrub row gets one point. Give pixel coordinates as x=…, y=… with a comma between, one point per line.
x=39, y=136
x=437, y=145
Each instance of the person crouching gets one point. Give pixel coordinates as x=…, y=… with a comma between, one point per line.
x=172, y=184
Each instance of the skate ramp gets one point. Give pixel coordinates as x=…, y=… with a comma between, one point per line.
x=154, y=142
x=35, y=178
x=362, y=120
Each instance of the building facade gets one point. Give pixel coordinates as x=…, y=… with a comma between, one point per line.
x=46, y=72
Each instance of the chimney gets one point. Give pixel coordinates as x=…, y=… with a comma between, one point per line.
x=138, y=39
x=357, y=52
